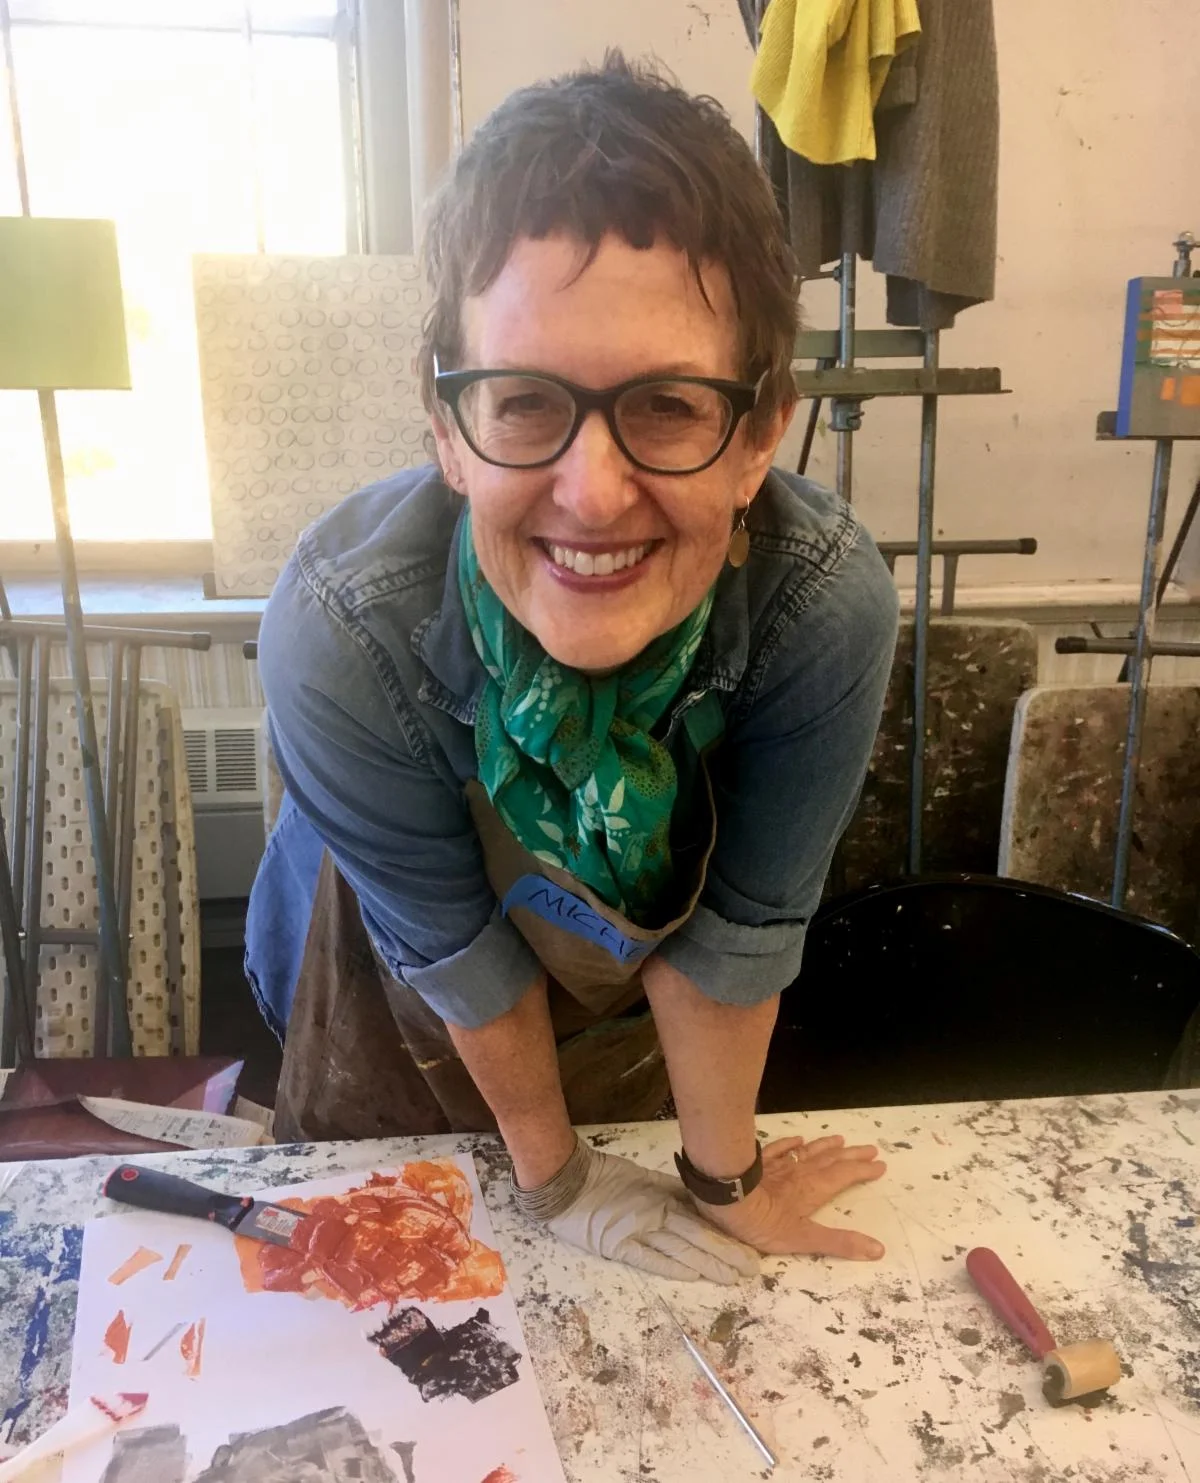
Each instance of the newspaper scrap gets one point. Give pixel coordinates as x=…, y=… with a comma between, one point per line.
x=178, y=1125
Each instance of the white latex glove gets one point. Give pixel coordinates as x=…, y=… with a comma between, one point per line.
x=645, y=1219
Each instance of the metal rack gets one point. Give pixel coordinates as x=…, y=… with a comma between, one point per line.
x=847, y=384
x=29, y=644
x=1141, y=649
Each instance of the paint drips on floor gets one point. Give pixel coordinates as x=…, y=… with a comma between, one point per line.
x=501, y=1475
x=396, y=1237
x=469, y=1360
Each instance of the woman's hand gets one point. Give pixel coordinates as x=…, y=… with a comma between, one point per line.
x=798, y=1178
x=643, y=1218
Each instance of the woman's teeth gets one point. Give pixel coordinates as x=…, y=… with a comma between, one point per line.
x=601, y=564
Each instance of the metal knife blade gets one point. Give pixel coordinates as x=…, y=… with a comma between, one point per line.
x=274, y=1223
x=151, y=1189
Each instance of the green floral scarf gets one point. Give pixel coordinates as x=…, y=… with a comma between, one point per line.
x=567, y=758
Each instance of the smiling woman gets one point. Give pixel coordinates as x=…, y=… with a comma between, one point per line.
x=566, y=758
x=674, y=492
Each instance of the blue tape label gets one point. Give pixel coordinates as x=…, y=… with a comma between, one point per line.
x=562, y=908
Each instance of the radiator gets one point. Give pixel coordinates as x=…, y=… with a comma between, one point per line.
x=225, y=777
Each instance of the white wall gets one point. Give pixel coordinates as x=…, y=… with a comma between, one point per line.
x=1100, y=115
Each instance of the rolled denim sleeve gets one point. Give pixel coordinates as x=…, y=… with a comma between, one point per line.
x=355, y=764
x=786, y=783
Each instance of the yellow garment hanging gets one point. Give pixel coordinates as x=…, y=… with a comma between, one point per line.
x=821, y=67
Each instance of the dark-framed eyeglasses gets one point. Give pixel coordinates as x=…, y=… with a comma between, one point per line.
x=662, y=424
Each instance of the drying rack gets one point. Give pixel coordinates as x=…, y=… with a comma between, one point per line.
x=23, y=933
x=1141, y=649
x=840, y=377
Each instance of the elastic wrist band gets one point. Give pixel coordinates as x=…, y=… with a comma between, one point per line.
x=559, y=1191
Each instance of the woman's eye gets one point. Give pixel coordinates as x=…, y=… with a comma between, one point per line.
x=531, y=404
x=671, y=406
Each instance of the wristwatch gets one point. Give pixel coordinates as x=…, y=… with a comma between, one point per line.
x=714, y=1191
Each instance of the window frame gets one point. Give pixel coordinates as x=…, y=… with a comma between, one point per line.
x=369, y=35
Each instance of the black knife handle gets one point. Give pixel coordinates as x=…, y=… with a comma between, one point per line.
x=149, y=1189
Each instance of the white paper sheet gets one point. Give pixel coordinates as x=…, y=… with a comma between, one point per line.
x=180, y=1125
x=272, y=1358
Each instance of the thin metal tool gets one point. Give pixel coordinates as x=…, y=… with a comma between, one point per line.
x=719, y=1386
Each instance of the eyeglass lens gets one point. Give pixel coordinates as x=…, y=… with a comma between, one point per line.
x=522, y=420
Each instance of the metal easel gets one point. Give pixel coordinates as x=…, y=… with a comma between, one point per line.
x=848, y=384
x=1140, y=650
x=839, y=376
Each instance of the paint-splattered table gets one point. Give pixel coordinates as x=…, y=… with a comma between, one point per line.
x=860, y=1373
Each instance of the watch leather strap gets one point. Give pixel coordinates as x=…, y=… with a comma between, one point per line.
x=713, y=1191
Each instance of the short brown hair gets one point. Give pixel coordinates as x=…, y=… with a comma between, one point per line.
x=619, y=148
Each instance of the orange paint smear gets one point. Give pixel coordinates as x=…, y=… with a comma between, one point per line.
x=395, y=1237
x=501, y=1475
x=142, y=1258
x=191, y=1347
x=116, y=1338
x=177, y=1261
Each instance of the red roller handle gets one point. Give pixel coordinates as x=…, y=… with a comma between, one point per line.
x=1008, y=1301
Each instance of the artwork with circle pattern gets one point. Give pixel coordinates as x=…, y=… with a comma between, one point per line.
x=309, y=387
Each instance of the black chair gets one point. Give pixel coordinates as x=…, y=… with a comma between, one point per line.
x=964, y=988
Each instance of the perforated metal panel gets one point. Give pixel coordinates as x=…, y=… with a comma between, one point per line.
x=164, y=980
x=308, y=379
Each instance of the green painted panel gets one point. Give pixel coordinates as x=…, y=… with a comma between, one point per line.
x=62, y=321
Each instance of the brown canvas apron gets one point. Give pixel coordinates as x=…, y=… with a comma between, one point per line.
x=366, y=1057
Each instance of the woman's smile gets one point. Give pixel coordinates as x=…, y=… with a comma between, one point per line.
x=595, y=567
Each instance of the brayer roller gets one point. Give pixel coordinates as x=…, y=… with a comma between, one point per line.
x=1074, y=1372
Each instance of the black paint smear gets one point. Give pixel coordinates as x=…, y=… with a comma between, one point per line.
x=330, y=1444
x=1173, y=1281
x=1169, y=1279
x=150, y=1454
x=935, y=1447
x=470, y=1359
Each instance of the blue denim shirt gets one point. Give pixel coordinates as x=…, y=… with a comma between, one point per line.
x=372, y=685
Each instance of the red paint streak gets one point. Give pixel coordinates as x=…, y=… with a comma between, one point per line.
x=501, y=1475
x=116, y=1338
x=129, y=1403
x=396, y=1237
x=191, y=1348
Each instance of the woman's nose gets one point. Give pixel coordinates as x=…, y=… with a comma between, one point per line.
x=593, y=479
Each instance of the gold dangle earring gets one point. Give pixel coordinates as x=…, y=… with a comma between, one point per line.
x=739, y=541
